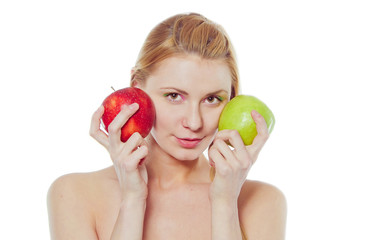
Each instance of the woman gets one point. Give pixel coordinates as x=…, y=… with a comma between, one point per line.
x=160, y=187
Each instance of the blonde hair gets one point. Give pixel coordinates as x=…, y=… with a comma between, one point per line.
x=189, y=33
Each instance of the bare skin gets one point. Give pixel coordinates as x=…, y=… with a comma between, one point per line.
x=170, y=194
x=97, y=196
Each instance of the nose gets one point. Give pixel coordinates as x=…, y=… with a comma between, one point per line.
x=193, y=118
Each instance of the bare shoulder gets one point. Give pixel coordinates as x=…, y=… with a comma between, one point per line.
x=69, y=184
x=71, y=202
x=81, y=188
x=256, y=191
x=82, y=183
x=263, y=210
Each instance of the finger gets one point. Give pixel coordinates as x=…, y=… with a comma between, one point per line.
x=95, y=128
x=119, y=121
x=134, y=142
x=226, y=152
x=120, y=150
x=240, y=152
x=262, y=132
x=132, y=161
x=221, y=165
x=261, y=137
x=234, y=138
x=143, y=172
x=143, y=143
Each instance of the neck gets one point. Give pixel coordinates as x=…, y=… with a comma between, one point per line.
x=168, y=172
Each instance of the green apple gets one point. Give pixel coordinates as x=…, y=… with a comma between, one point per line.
x=237, y=115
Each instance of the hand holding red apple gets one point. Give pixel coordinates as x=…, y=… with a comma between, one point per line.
x=128, y=115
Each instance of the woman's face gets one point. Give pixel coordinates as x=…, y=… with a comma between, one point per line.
x=189, y=94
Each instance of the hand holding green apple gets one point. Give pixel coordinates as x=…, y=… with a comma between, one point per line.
x=237, y=115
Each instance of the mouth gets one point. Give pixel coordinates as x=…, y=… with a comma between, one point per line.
x=189, y=142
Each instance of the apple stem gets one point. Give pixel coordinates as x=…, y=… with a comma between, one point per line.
x=113, y=88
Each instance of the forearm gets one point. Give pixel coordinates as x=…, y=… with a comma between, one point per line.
x=225, y=221
x=130, y=221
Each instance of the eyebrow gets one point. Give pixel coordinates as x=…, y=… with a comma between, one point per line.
x=185, y=93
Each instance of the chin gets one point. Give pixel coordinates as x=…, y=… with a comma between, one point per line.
x=183, y=154
x=187, y=156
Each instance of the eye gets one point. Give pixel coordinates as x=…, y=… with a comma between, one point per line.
x=213, y=99
x=174, y=97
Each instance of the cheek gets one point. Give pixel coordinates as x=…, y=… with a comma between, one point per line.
x=166, y=118
x=211, y=119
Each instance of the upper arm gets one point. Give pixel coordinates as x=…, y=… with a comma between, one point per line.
x=263, y=212
x=68, y=211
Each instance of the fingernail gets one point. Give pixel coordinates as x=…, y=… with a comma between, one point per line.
x=255, y=113
x=133, y=106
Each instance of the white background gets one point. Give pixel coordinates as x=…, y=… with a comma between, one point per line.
x=313, y=62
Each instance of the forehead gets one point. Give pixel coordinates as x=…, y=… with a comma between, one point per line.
x=188, y=71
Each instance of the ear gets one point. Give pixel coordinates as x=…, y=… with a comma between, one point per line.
x=135, y=83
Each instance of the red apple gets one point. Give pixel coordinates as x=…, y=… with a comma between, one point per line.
x=142, y=121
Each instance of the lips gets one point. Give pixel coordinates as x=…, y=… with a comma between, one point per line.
x=189, y=142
